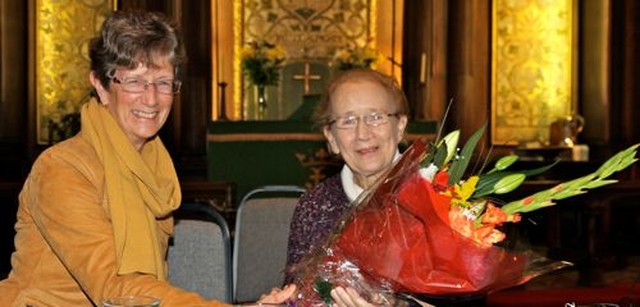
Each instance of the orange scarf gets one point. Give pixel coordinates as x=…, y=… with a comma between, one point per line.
x=141, y=187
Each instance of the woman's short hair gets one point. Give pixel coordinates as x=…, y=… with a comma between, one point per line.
x=322, y=112
x=131, y=38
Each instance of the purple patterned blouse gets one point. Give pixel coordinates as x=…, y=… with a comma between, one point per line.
x=314, y=218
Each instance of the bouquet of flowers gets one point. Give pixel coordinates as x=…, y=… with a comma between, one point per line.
x=427, y=229
x=356, y=57
x=261, y=62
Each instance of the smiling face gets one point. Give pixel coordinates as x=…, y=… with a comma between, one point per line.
x=368, y=150
x=140, y=115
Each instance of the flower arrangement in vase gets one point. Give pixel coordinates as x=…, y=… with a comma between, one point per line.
x=261, y=62
x=356, y=57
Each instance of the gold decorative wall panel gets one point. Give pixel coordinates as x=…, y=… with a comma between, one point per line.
x=309, y=31
x=62, y=33
x=313, y=29
x=532, y=68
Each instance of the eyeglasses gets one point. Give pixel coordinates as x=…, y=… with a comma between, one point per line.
x=374, y=119
x=137, y=85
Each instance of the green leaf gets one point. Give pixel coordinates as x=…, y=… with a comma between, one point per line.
x=576, y=186
x=504, y=162
x=578, y=182
x=323, y=288
x=609, y=167
x=536, y=206
x=628, y=157
x=431, y=152
x=459, y=166
x=440, y=156
x=487, y=181
x=600, y=183
x=625, y=163
x=567, y=194
x=539, y=170
x=509, y=183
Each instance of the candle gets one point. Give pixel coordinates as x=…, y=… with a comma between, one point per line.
x=423, y=68
x=221, y=69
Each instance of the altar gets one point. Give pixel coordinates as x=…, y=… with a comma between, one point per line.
x=255, y=153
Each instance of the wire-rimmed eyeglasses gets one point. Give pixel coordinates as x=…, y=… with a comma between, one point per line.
x=138, y=85
x=374, y=119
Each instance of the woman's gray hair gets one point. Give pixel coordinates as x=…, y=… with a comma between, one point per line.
x=131, y=38
x=322, y=112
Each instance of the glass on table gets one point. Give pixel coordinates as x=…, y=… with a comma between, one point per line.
x=131, y=301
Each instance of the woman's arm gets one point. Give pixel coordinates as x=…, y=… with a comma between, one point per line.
x=65, y=197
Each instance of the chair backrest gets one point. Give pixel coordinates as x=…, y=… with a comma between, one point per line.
x=260, y=240
x=199, y=258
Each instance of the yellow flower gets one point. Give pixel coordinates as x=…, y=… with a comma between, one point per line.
x=247, y=52
x=261, y=61
x=463, y=191
x=356, y=57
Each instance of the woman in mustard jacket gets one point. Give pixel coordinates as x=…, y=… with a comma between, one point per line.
x=95, y=212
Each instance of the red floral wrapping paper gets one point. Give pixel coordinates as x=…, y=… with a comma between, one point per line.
x=397, y=240
x=405, y=240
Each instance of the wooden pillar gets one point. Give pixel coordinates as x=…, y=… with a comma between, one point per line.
x=469, y=64
x=594, y=70
x=425, y=58
x=196, y=98
x=625, y=71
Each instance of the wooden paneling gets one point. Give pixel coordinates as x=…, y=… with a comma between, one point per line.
x=13, y=88
x=8, y=209
x=455, y=39
x=13, y=69
x=626, y=69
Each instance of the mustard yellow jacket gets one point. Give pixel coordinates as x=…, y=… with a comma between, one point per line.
x=65, y=253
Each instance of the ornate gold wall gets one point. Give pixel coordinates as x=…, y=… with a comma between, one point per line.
x=533, y=68
x=308, y=30
x=62, y=33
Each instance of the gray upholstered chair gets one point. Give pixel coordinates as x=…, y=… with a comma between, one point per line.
x=199, y=256
x=260, y=240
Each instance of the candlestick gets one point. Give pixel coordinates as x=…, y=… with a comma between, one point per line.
x=222, y=115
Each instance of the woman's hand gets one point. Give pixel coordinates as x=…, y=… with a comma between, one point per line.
x=278, y=296
x=349, y=297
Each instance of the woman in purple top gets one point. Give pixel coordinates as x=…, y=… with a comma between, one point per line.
x=363, y=115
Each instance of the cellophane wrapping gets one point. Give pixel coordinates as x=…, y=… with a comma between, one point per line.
x=397, y=239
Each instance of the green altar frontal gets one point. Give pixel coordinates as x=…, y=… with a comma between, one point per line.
x=256, y=153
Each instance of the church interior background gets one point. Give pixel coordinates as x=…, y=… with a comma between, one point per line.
x=520, y=65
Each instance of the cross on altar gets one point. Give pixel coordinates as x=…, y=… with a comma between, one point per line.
x=307, y=77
